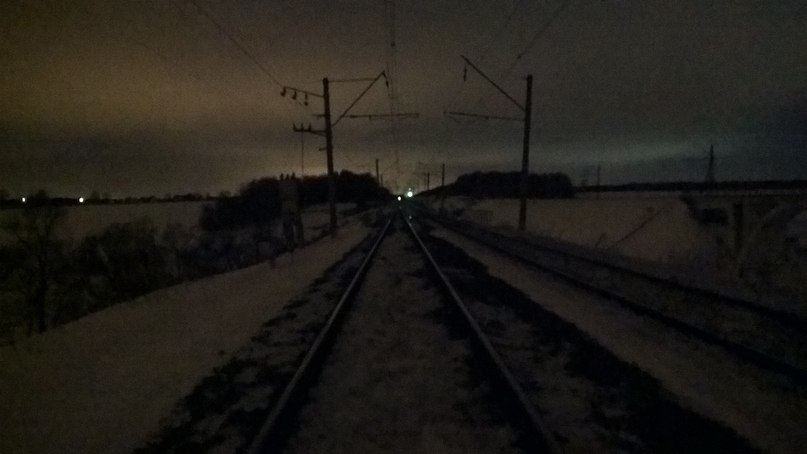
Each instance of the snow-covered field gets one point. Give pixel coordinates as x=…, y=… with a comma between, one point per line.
x=103, y=383
x=84, y=220
x=657, y=229
x=760, y=247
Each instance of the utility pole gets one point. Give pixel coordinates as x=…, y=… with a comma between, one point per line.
x=710, y=170
x=525, y=157
x=526, y=119
x=329, y=125
x=425, y=176
x=302, y=155
x=326, y=97
x=442, y=187
x=599, y=166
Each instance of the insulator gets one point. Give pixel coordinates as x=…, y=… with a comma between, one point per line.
x=294, y=96
x=283, y=92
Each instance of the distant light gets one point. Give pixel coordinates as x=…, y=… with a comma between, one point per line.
x=81, y=200
x=399, y=198
x=409, y=193
x=23, y=200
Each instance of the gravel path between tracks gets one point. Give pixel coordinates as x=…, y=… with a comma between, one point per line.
x=398, y=379
x=765, y=408
x=104, y=382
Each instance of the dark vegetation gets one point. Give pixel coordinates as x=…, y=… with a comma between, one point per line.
x=105, y=199
x=701, y=186
x=46, y=281
x=257, y=203
x=501, y=185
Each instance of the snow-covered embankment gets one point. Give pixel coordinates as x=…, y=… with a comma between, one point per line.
x=102, y=383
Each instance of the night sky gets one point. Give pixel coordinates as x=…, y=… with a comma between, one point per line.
x=152, y=97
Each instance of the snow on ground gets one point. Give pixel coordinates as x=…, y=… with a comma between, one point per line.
x=759, y=406
x=748, y=243
x=102, y=383
x=659, y=229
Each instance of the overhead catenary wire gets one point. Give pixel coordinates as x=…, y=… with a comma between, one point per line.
x=490, y=43
x=537, y=36
x=392, y=80
x=286, y=155
x=235, y=42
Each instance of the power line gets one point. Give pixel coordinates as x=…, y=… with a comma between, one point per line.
x=533, y=41
x=537, y=36
x=235, y=42
x=392, y=79
x=488, y=46
x=495, y=36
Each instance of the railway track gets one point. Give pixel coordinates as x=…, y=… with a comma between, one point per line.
x=399, y=373
x=764, y=336
x=420, y=350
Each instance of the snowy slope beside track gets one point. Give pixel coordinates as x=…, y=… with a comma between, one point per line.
x=102, y=383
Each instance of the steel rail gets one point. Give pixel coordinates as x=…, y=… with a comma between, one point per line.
x=544, y=439
x=786, y=318
x=798, y=374
x=269, y=438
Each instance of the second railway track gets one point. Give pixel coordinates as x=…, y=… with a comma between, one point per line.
x=410, y=371
x=767, y=337
x=382, y=355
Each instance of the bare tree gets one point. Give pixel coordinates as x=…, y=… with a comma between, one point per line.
x=33, y=230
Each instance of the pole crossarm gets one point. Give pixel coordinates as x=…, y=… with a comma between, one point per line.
x=356, y=79
x=501, y=90
x=308, y=129
x=361, y=95
x=287, y=88
x=384, y=116
x=483, y=116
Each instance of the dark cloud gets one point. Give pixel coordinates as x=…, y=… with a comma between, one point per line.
x=149, y=96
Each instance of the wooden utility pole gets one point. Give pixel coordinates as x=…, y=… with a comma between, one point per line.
x=326, y=97
x=710, y=169
x=442, y=187
x=329, y=125
x=525, y=156
x=302, y=155
x=599, y=168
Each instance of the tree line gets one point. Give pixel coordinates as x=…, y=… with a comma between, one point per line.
x=46, y=281
x=503, y=185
